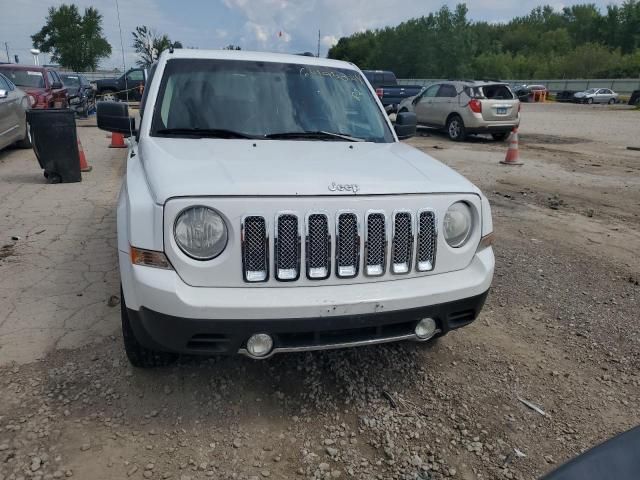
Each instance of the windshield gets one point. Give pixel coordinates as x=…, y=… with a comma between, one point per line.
x=261, y=99
x=591, y=90
x=70, y=80
x=25, y=78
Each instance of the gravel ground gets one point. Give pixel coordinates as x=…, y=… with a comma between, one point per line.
x=560, y=330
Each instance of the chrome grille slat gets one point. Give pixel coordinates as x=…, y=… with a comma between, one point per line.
x=427, y=242
x=287, y=248
x=402, y=243
x=347, y=245
x=375, y=244
x=318, y=247
x=255, y=249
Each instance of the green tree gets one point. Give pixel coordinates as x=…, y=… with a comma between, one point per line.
x=579, y=41
x=232, y=47
x=149, y=45
x=74, y=41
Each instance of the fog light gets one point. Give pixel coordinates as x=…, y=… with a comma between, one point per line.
x=426, y=328
x=259, y=344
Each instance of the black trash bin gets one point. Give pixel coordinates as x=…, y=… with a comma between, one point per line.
x=55, y=143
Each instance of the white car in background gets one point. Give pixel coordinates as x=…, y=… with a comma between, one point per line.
x=268, y=206
x=596, y=95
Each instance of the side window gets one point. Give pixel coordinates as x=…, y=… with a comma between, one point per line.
x=135, y=76
x=447, y=90
x=50, y=79
x=369, y=76
x=389, y=78
x=431, y=91
x=4, y=85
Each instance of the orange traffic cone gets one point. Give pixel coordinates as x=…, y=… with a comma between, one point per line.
x=513, y=154
x=117, y=141
x=84, y=166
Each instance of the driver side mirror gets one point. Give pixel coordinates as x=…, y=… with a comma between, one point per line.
x=56, y=86
x=405, y=126
x=114, y=117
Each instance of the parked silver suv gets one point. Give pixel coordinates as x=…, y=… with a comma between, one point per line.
x=465, y=107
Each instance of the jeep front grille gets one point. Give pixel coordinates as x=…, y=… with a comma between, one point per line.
x=402, y=243
x=347, y=245
x=375, y=245
x=427, y=241
x=318, y=247
x=255, y=249
x=287, y=248
x=379, y=254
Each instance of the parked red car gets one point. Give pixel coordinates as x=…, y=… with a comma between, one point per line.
x=42, y=84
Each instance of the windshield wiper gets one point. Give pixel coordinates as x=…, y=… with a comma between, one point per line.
x=320, y=135
x=203, y=133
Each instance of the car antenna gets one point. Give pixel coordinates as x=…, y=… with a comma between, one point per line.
x=124, y=64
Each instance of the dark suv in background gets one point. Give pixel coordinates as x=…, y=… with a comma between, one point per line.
x=129, y=86
x=388, y=90
x=82, y=97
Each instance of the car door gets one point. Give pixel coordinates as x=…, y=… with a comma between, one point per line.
x=9, y=108
x=424, y=106
x=58, y=90
x=606, y=95
x=135, y=84
x=444, y=103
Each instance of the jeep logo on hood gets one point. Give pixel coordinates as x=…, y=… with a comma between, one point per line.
x=344, y=187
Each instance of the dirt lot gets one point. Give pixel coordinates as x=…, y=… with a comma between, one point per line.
x=561, y=329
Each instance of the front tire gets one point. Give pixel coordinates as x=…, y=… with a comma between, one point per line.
x=455, y=129
x=139, y=356
x=590, y=101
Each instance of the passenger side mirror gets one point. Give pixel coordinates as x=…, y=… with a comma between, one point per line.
x=56, y=86
x=4, y=94
x=406, y=125
x=114, y=117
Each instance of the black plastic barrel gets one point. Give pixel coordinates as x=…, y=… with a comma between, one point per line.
x=54, y=140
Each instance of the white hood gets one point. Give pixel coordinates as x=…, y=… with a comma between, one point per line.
x=214, y=167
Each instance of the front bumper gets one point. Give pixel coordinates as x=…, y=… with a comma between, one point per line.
x=158, y=331
x=168, y=315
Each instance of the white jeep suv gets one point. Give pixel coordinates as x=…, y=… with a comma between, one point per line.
x=268, y=206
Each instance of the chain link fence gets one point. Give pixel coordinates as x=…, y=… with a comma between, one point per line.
x=97, y=75
x=619, y=85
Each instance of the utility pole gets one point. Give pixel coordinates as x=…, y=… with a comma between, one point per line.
x=6, y=46
x=318, y=43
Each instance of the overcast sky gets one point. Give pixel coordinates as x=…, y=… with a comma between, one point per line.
x=273, y=25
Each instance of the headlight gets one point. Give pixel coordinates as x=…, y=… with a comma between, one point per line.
x=200, y=232
x=457, y=224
